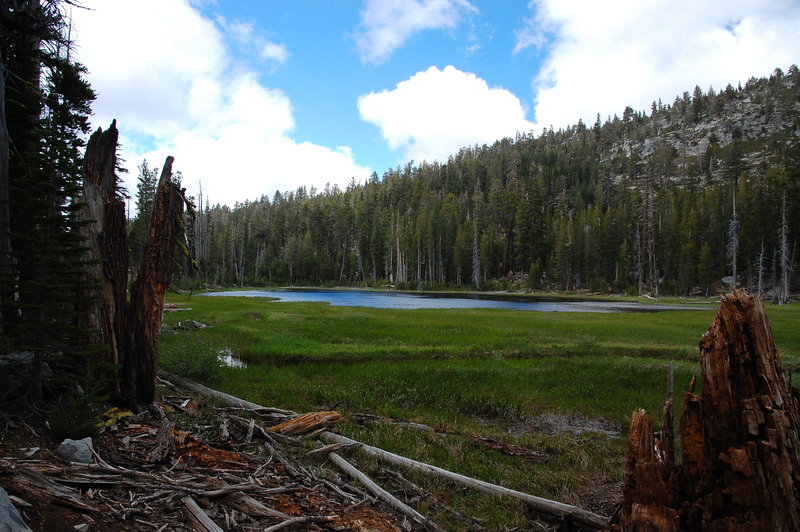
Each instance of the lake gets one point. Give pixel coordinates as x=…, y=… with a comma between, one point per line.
x=406, y=300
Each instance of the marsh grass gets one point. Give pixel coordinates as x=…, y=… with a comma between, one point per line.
x=490, y=373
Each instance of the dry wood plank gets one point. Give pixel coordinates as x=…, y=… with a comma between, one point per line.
x=381, y=493
x=559, y=509
x=306, y=423
x=197, y=518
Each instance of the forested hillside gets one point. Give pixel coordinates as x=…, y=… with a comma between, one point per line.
x=668, y=201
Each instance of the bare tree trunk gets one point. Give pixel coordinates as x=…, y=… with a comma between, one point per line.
x=148, y=291
x=131, y=331
x=107, y=240
x=5, y=205
x=740, y=440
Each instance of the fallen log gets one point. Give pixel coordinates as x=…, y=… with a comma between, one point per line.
x=559, y=509
x=227, y=399
x=381, y=493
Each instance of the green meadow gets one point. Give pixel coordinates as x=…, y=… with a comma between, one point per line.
x=562, y=384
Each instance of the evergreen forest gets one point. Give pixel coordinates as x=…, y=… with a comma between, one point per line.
x=692, y=197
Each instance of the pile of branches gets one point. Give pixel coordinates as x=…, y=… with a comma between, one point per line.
x=147, y=475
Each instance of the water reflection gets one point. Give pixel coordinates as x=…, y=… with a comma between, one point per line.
x=404, y=300
x=227, y=358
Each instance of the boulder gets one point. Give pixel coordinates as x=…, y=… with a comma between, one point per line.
x=10, y=520
x=76, y=450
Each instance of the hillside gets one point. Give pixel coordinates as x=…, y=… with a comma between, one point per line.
x=669, y=201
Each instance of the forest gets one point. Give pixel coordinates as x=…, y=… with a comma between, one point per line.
x=693, y=197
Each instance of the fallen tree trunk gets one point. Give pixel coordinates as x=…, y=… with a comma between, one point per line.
x=564, y=511
x=559, y=509
x=381, y=493
x=225, y=398
x=740, y=440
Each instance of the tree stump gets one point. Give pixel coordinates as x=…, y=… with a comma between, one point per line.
x=131, y=330
x=740, y=440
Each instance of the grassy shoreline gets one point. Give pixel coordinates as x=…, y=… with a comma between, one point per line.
x=533, y=379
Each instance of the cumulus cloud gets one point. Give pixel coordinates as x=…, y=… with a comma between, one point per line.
x=176, y=89
x=603, y=56
x=387, y=24
x=436, y=112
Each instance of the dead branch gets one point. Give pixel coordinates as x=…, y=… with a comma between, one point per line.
x=198, y=518
x=381, y=493
x=564, y=511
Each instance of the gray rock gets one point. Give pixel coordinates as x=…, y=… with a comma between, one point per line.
x=10, y=520
x=76, y=450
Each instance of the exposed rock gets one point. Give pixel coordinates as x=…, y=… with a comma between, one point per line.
x=76, y=450
x=10, y=520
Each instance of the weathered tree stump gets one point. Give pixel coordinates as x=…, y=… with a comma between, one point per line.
x=129, y=330
x=740, y=440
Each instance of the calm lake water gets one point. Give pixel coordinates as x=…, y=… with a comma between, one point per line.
x=404, y=300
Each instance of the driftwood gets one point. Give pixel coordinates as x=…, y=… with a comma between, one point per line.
x=740, y=440
x=564, y=511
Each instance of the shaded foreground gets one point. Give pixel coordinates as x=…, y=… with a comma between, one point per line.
x=149, y=475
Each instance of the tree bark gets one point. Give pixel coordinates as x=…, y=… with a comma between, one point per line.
x=740, y=439
x=107, y=241
x=149, y=289
x=130, y=331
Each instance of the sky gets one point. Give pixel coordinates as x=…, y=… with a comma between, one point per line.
x=257, y=96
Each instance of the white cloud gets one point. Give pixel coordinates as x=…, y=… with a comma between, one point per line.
x=603, y=56
x=274, y=52
x=244, y=34
x=387, y=24
x=176, y=89
x=436, y=112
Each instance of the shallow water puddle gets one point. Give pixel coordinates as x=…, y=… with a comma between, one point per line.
x=229, y=359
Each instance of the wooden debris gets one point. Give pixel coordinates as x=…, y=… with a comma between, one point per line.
x=306, y=423
x=198, y=518
x=274, y=413
x=508, y=449
x=192, y=484
x=299, y=521
x=381, y=493
x=34, y=485
x=740, y=439
x=564, y=511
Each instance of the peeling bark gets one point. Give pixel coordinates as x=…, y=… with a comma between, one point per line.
x=130, y=331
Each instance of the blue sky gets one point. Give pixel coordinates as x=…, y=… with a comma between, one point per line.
x=254, y=96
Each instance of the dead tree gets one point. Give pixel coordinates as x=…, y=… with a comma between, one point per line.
x=129, y=330
x=740, y=440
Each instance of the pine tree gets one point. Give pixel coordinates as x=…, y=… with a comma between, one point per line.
x=47, y=104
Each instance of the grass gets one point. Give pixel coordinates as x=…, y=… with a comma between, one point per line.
x=483, y=372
